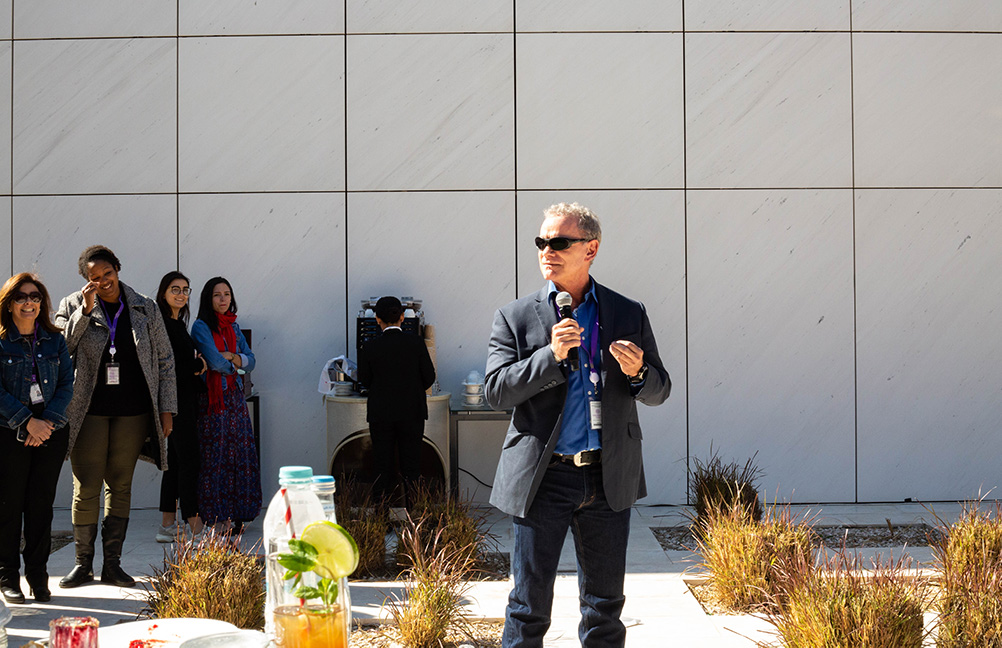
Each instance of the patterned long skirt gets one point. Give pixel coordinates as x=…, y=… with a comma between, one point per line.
x=229, y=479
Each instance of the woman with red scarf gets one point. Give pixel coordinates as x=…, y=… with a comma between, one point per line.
x=229, y=482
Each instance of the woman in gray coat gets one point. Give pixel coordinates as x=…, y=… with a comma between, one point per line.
x=124, y=397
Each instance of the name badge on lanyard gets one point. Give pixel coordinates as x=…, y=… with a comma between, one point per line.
x=112, y=370
x=595, y=402
x=35, y=392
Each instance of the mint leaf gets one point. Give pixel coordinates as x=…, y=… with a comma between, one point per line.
x=296, y=562
x=307, y=592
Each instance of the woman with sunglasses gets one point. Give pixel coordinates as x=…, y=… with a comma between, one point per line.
x=229, y=492
x=179, y=483
x=36, y=385
x=124, y=399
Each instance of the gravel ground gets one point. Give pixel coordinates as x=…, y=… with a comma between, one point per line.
x=680, y=538
x=483, y=634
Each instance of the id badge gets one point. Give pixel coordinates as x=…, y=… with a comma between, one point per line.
x=595, y=412
x=112, y=373
x=35, y=393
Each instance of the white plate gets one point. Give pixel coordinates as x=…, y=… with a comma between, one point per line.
x=161, y=633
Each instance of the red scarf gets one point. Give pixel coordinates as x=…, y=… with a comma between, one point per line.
x=225, y=338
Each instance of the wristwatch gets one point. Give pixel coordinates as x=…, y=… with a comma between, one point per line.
x=640, y=377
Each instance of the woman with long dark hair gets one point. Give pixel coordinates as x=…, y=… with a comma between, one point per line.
x=179, y=483
x=36, y=385
x=122, y=410
x=230, y=477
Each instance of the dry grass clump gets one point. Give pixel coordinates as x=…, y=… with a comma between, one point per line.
x=451, y=522
x=746, y=559
x=435, y=584
x=367, y=519
x=717, y=486
x=969, y=565
x=211, y=579
x=840, y=605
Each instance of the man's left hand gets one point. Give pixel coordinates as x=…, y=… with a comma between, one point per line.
x=629, y=356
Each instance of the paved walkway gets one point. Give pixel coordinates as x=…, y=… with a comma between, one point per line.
x=660, y=610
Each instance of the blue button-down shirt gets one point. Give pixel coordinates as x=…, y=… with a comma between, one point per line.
x=576, y=433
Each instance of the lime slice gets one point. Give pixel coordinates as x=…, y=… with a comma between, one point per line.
x=337, y=553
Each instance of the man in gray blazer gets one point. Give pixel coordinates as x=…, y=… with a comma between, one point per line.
x=572, y=456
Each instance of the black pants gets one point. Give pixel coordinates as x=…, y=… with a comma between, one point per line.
x=180, y=480
x=27, y=490
x=404, y=437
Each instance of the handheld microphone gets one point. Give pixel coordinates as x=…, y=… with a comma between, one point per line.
x=564, y=301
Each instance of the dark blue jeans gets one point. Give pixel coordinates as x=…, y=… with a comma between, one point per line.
x=569, y=497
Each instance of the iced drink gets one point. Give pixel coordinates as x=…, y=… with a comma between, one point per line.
x=312, y=626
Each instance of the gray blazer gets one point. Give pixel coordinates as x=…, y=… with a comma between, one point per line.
x=522, y=374
x=86, y=337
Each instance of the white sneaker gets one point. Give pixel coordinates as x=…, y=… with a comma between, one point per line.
x=167, y=534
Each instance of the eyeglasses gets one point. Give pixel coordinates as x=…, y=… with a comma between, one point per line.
x=177, y=290
x=557, y=243
x=22, y=298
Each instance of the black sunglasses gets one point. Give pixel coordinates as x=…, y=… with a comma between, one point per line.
x=557, y=243
x=21, y=298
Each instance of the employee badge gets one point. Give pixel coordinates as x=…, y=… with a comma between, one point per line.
x=35, y=393
x=112, y=373
x=595, y=405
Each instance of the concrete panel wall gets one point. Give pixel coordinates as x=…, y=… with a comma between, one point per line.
x=806, y=195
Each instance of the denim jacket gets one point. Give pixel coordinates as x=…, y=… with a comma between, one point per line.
x=201, y=335
x=55, y=377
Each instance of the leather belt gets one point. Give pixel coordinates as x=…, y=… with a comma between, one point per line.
x=583, y=458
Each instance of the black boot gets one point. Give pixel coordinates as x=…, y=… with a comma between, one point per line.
x=10, y=586
x=113, y=537
x=39, y=586
x=83, y=537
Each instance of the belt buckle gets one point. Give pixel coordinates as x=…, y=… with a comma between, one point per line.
x=579, y=458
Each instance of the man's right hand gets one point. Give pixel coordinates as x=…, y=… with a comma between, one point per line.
x=564, y=336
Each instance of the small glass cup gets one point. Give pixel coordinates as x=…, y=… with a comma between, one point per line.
x=73, y=632
x=310, y=626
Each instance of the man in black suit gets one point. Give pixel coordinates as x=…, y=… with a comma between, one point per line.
x=397, y=369
x=572, y=456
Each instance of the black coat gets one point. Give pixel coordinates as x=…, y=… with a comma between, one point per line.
x=397, y=369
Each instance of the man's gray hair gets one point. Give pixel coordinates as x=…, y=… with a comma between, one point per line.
x=587, y=220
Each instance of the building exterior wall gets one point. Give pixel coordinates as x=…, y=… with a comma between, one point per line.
x=806, y=194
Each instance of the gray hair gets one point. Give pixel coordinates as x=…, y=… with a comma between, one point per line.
x=586, y=218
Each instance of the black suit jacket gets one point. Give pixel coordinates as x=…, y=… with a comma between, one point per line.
x=522, y=374
x=397, y=369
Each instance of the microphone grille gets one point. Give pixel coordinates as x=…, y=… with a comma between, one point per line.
x=564, y=299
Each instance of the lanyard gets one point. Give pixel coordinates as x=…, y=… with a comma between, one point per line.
x=34, y=362
x=113, y=323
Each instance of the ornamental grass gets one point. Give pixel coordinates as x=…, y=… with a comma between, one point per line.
x=746, y=559
x=435, y=584
x=366, y=518
x=838, y=604
x=450, y=523
x=717, y=486
x=969, y=570
x=209, y=579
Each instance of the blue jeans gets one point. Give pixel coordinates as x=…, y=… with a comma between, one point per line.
x=569, y=497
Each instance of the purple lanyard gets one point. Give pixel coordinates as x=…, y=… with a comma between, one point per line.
x=113, y=322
